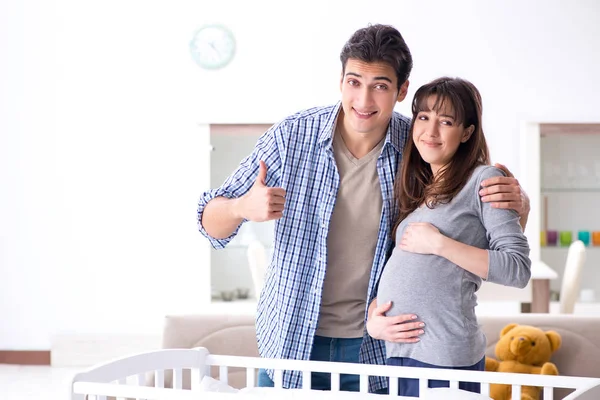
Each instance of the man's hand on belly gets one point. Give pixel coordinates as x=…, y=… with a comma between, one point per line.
x=399, y=329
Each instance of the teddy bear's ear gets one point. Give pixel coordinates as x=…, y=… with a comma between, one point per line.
x=555, y=340
x=507, y=328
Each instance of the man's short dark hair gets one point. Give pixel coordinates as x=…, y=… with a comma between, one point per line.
x=379, y=43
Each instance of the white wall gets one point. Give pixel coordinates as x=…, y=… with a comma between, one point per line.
x=102, y=159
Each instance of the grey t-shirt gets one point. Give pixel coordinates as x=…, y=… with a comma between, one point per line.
x=441, y=293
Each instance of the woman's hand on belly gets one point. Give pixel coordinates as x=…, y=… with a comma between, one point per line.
x=421, y=238
x=399, y=329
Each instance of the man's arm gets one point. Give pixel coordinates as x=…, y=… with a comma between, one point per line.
x=245, y=194
x=506, y=192
x=222, y=216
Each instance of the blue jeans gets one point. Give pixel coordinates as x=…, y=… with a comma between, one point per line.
x=410, y=387
x=328, y=349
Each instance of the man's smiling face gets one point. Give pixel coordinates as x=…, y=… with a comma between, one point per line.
x=369, y=93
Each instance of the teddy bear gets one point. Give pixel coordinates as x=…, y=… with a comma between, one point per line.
x=523, y=349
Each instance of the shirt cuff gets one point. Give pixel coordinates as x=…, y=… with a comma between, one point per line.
x=206, y=197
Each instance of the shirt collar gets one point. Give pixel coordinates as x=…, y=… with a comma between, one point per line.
x=395, y=140
x=326, y=134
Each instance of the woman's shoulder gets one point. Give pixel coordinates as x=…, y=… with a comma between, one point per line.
x=479, y=174
x=482, y=172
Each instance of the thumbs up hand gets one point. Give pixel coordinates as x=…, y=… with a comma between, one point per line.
x=262, y=203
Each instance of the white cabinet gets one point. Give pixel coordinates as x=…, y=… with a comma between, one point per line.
x=561, y=168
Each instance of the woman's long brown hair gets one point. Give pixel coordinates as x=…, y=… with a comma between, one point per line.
x=415, y=183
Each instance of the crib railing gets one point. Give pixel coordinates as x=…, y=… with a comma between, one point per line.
x=114, y=378
x=126, y=377
x=581, y=384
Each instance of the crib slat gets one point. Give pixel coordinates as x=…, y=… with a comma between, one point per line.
x=177, y=378
x=159, y=379
x=516, y=391
x=453, y=384
x=423, y=385
x=195, y=378
x=122, y=381
x=548, y=393
x=250, y=377
x=393, y=388
x=223, y=375
x=278, y=378
x=141, y=381
x=335, y=382
x=485, y=389
x=306, y=382
x=364, y=383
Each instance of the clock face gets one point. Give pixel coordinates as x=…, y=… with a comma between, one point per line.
x=212, y=47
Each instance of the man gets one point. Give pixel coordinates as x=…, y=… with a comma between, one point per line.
x=326, y=175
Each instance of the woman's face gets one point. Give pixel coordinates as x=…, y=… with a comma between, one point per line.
x=437, y=135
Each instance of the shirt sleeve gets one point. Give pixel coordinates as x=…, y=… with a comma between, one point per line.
x=241, y=180
x=509, y=262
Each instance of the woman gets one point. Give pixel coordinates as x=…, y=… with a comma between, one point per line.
x=447, y=239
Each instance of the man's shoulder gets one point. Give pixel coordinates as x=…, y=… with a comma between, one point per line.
x=401, y=119
x=400, y=123
x=398, y=130
x=322, y=113
x=315, y=123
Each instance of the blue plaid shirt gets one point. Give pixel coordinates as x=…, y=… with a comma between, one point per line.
x=299, y=157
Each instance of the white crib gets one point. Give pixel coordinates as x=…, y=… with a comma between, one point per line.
x=126, y=377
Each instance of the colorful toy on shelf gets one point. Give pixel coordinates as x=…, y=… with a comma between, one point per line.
x=551, y=238
x=584, y=236
x=596, y=238
x=543, y=238
x=566, y=237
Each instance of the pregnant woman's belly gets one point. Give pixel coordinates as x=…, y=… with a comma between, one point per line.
x=430, y=287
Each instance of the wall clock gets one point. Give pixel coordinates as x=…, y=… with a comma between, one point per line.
x=212, y=46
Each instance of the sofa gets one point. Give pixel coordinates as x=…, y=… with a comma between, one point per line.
x=579, y=354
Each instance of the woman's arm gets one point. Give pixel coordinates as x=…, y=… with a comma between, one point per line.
x=424, y=238
x=506, y=262
x=508, y=253
x=506, y=192
x=473, y=259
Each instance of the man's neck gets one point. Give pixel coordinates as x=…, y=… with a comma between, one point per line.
x=358, y=144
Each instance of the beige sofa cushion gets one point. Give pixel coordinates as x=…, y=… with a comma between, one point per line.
x=220, y=334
